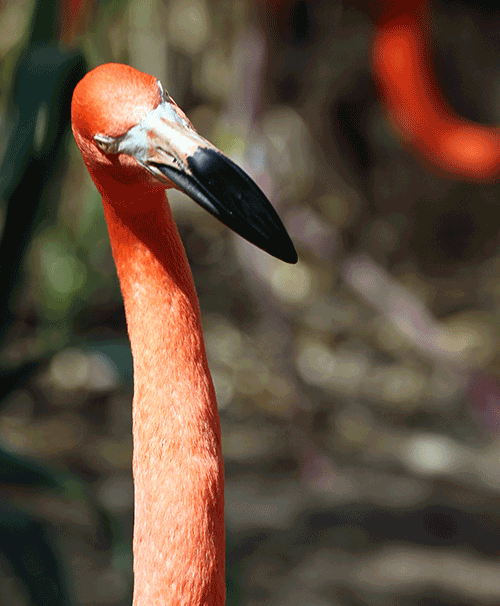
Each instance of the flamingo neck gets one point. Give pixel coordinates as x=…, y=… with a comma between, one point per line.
x=177, y=461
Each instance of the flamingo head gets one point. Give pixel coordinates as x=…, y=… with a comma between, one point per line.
x=131, y=133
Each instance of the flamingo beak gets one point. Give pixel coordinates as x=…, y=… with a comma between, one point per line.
x=166, y=144
x=229, y=194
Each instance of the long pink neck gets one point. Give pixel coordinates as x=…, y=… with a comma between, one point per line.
x=178, y=469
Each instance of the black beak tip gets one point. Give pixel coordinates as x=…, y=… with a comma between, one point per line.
x=227, y=192
x=285, y=251
x=293, y=257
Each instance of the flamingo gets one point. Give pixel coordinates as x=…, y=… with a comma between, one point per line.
x=402, y=61
x=136, y=143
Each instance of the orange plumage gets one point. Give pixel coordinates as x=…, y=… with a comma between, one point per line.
x=136, y=143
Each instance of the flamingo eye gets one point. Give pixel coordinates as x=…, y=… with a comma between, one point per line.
x=109, y=145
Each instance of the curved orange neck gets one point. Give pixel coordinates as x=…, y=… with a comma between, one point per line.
x=178, y=469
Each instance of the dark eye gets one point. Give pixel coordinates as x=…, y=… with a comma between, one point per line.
x=109, y=145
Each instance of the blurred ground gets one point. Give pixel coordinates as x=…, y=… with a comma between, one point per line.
x=358, y=390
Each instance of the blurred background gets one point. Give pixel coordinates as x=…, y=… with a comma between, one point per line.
x=358, y=390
